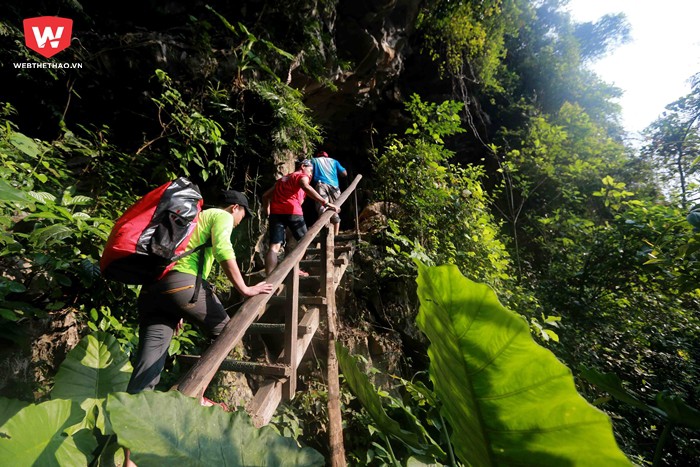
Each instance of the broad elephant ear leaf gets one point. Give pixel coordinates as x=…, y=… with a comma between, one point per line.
x=169, y=428
x=9, y=407
x=43, y=434
x=97, y=366
x=508, y=400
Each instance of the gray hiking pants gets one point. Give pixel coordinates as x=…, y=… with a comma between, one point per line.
x=161, y=306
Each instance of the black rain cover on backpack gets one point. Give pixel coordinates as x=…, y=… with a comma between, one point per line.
x=152, y=234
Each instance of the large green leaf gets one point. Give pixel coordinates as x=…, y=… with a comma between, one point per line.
x=97, y=366
x=360, y=385
x=9, y=407
x=172, y=429
x=25, y=144
x=508, y=400
x=41, y=435
x=10, y=193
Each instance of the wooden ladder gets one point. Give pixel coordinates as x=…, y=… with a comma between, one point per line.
x=330, y=261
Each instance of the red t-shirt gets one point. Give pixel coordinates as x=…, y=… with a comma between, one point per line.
x=288, y=195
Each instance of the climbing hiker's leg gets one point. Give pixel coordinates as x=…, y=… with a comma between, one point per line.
x=207, y=312
x=297, y=225
x=271, y=258
x=276, y=229
x=330, y=194
x=156, y=328
x=154, y=340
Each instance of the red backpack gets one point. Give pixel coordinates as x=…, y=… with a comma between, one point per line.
x=152, y=235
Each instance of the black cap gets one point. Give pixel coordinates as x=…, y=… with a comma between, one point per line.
x=236, y=197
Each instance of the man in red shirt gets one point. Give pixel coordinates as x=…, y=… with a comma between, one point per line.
x=283, y=204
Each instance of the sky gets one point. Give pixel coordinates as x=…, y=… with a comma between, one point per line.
x=654, y=67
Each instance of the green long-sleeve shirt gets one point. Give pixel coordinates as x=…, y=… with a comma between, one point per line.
x=214, y=224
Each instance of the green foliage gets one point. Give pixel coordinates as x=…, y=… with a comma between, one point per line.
x=673, y=147
x=507, y=399
x=558, y=160
x=195, y=141
x=45, y=434
x=95, y=368
x=294, y=128
x=103, y=320
x=266, y=118
x=157, y=427
x=597, y=39
x=249, y=55
x=604, y=254
x=308, y=30
x=53, y=225
x=467, y=38
x=187, y=433
x=410, y=432
x=439, y=205
x=9, y=407
x=670, y=407
x=544, y=66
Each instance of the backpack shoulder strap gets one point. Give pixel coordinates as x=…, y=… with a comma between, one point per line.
x=200, y=268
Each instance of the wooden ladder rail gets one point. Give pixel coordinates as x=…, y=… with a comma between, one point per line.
x=196, y=380
x=335, y=423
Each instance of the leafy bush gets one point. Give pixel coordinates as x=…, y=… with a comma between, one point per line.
x=440, y=206
x=53, y=227
x=670, y=408
x=467, y=38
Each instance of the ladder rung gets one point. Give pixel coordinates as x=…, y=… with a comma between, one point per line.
x=338, y=249
x=346, y=237
x=266, y=328
x=255, y=368
x=267, y=369
x=277, y=300
x=275, y=328
x=309, y=278
x=312, y=300
x=316, y=263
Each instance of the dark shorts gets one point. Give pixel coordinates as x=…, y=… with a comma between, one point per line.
x=278, y=222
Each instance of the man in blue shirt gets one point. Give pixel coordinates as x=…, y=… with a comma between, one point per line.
x=326, y=172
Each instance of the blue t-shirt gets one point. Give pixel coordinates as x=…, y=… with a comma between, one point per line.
x=326, y=170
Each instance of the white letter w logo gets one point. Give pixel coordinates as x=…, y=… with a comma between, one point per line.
x=47, y=35
x=47, y=29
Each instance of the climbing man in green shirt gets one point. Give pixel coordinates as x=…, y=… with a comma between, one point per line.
x=176, y=296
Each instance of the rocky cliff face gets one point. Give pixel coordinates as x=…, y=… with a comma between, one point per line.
x=375, y=38
x=359, y=51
